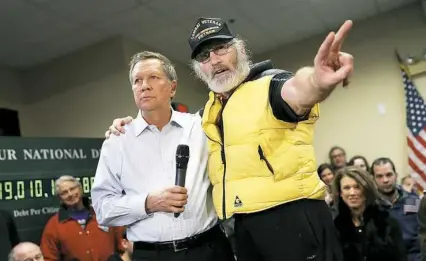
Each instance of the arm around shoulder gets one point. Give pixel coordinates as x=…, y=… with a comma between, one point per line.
x=110, y=202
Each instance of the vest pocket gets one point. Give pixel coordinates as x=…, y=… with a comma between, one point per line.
x=262, y=157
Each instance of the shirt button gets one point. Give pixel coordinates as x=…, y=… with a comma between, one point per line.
x=88, y=252
x=80, y=233
x=87, y=232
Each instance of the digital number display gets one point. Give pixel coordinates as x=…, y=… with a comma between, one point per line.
x=36, y=188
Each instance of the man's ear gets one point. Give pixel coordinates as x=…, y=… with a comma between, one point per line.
x=173, y=88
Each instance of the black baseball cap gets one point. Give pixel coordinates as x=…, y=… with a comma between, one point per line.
x=206, y=29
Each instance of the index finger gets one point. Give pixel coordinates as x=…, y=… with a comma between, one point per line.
x=324, y=50
x=341, y=36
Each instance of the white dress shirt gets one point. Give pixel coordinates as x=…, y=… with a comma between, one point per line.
x=142, y=161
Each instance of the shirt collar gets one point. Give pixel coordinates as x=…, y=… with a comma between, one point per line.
x=65, y=213
x=177, y=119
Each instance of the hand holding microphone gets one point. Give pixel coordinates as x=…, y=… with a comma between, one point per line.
x=172, y=200
x=182, y=158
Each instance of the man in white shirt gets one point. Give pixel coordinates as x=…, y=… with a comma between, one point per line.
x=134, y=182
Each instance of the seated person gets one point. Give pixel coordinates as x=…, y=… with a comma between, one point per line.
x=125, y=251
x=26, y=251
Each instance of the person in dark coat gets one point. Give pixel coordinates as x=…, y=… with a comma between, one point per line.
x=422, y=227
x=8, y=234
x=366, y=230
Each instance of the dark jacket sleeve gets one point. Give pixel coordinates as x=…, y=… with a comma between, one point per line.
x=422, y=227
x=13, y=231
x=280, y=108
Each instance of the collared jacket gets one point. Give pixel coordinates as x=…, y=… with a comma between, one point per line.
x=379, y=238
x=255, y=160
x=405, y=211
x=64, y=239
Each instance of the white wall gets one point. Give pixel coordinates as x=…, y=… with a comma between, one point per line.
x=350, y=117
x=80, y=94
x=10, y=89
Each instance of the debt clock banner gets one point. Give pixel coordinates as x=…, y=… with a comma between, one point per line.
x=28, y=170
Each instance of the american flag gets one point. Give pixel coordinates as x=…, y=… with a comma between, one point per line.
x=416, y=131
x=411, y=205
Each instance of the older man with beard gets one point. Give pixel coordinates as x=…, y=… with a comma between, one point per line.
x=260, y=122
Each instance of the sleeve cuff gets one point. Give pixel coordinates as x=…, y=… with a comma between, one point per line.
x=137, y=205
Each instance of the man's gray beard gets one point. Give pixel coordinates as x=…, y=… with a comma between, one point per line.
x=233, y=80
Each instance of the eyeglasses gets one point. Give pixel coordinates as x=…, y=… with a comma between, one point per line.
x=221, y=49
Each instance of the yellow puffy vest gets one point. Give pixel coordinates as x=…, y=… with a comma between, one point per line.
x=260, y=162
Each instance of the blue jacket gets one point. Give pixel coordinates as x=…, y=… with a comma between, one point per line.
x=405, y=210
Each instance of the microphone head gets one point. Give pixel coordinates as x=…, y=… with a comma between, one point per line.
x=182, y=155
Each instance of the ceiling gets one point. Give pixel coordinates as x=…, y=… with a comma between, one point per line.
x=35, y=31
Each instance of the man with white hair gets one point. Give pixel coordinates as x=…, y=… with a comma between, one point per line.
x=260, y=122
x=73, y=233
x=26, y=251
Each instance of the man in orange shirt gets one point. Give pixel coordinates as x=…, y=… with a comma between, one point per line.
x=73, y=233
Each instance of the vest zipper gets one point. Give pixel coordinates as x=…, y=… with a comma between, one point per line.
x=222, y=134
x=222, y=156
x=262, y=157
x=223, y=180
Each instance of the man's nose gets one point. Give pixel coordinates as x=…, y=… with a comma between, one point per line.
x=145, y=86
x=214, y=58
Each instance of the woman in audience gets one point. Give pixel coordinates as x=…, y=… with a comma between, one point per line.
x=360, y=162
x=326, y=175
x=366, y=230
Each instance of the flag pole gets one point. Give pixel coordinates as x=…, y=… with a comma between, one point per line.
x=398, y=57
x=402, y=65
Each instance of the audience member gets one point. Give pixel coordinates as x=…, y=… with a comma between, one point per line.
x=26, y=251
x=403, y=206
x=360, y=162
x=407, y=184
x=73, y=233
x=326, y=175
x=422, y=227
x=8, y=234
x=366, y=230
x=125, y=252
x=337, y=156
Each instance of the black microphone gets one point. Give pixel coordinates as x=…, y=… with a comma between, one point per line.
x=182, y=158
